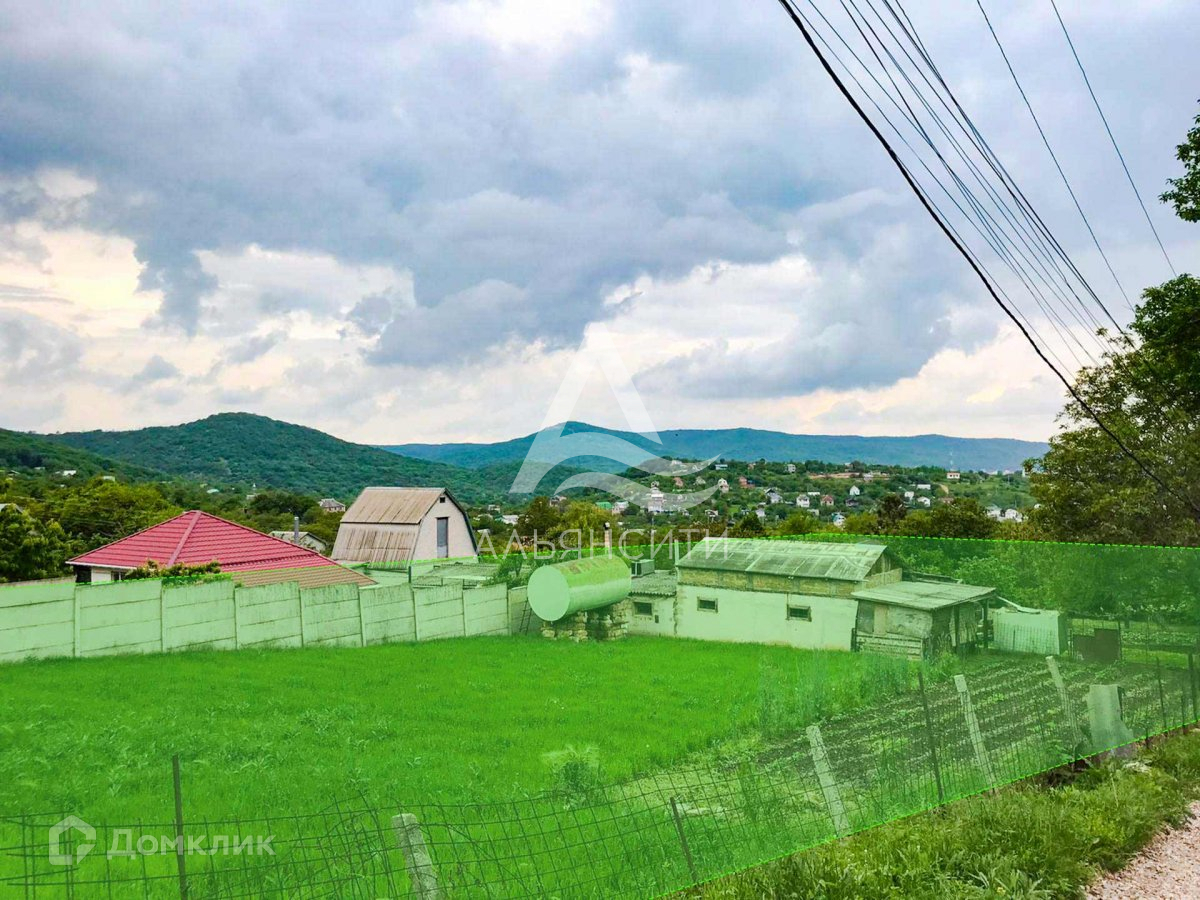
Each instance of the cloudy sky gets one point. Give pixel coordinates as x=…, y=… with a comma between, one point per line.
x=401, y=222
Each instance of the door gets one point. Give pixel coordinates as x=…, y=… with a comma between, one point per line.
x=443, y=537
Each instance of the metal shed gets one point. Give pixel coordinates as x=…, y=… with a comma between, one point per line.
x=918, y=618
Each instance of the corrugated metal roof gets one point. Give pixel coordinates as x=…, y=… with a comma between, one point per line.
x=392, y=505
x=794, y=559
x=923, y=595
x=372, y=543
x=196, y=537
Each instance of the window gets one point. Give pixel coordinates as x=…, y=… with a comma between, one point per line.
x=706, y=604
x=443, y=537
x=799, y=613
x=643, y=607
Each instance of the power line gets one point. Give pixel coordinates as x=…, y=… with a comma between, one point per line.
x=1111, y=137
x=799, y=22
x=1046, y=141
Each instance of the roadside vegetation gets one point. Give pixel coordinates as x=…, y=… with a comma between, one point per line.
x=1042, y=839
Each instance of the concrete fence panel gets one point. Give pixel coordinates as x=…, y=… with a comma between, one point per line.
x=199, y=616
x=37, y=621
x=485, y=609
x=269, y=616
x=387, y=614
x=439, y=611
x=121, y=617
x=61, y=618
x=331, y=616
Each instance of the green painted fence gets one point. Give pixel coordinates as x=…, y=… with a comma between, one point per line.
x=58, y=619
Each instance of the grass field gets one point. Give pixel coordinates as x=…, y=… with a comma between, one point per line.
x=470, y=735
x=276, y=732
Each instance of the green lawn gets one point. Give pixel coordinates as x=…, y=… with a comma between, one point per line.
x=288, y=731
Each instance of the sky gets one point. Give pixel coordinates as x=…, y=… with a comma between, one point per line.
x=403, y=222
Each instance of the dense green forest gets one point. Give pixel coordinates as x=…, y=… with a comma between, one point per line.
x=755, y=443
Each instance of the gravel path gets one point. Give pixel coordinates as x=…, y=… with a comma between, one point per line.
x=1168, y=869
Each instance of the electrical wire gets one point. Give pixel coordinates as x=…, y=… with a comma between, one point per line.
x=950, y=233
x=1111, y=136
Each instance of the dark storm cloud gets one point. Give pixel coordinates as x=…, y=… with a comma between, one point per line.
x=520, y=187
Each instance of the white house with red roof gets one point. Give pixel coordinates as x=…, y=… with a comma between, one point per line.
x=196, y=538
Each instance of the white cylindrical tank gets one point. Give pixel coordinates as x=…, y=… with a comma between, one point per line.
x=563, y=588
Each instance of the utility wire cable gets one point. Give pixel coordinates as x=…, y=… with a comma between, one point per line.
x=1111, y=137
x=896, y=160
x=1039, y=256
x=1000, y=251
x=1057, y=165
x=997, y=239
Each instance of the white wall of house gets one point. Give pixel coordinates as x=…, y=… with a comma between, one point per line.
x=458, y=532
x=661, y=619
x=760, y=617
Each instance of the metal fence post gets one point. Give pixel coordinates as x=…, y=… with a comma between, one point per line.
x=829, y=787
x=933, y=754
x=683, y=842
x=421, y=872
x=180, y=861
x=980, y=748
x=1192, y=683
x=1064, y=696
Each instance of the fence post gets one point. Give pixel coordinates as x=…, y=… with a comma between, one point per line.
x=78, y=626
x=683, y=842
x=933, y=754
x=833, y=797
x=1192, y=683
x=421, y=873
x=980, y=748
x=180, y=860
x=1162, y=697
x=1109, y=731
x=1064, y=696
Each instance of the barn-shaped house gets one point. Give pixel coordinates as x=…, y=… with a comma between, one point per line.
x=403, y=526
x=836, y=596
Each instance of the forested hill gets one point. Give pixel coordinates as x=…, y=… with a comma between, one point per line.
x=23, y=452
x=749, y=444
x=245, y=449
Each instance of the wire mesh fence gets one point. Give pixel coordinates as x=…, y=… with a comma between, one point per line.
x=1008, y=717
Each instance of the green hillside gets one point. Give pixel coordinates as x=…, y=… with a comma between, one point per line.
x=245, y=449
x=22, y=452
x=753, y=444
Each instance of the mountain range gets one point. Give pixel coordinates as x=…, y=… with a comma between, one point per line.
x=244, y=449
x=750, y=444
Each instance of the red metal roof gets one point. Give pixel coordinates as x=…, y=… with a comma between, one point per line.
x=196, y=537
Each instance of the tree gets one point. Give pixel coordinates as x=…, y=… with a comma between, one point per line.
x=861, y=523
x=748, y=526
x=964, y=518
x=1148, y=394
x=891, y=512
x=1185, y=190
x=540, y=518
x=30, y=549
x=799, y=523
x=101, y=511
